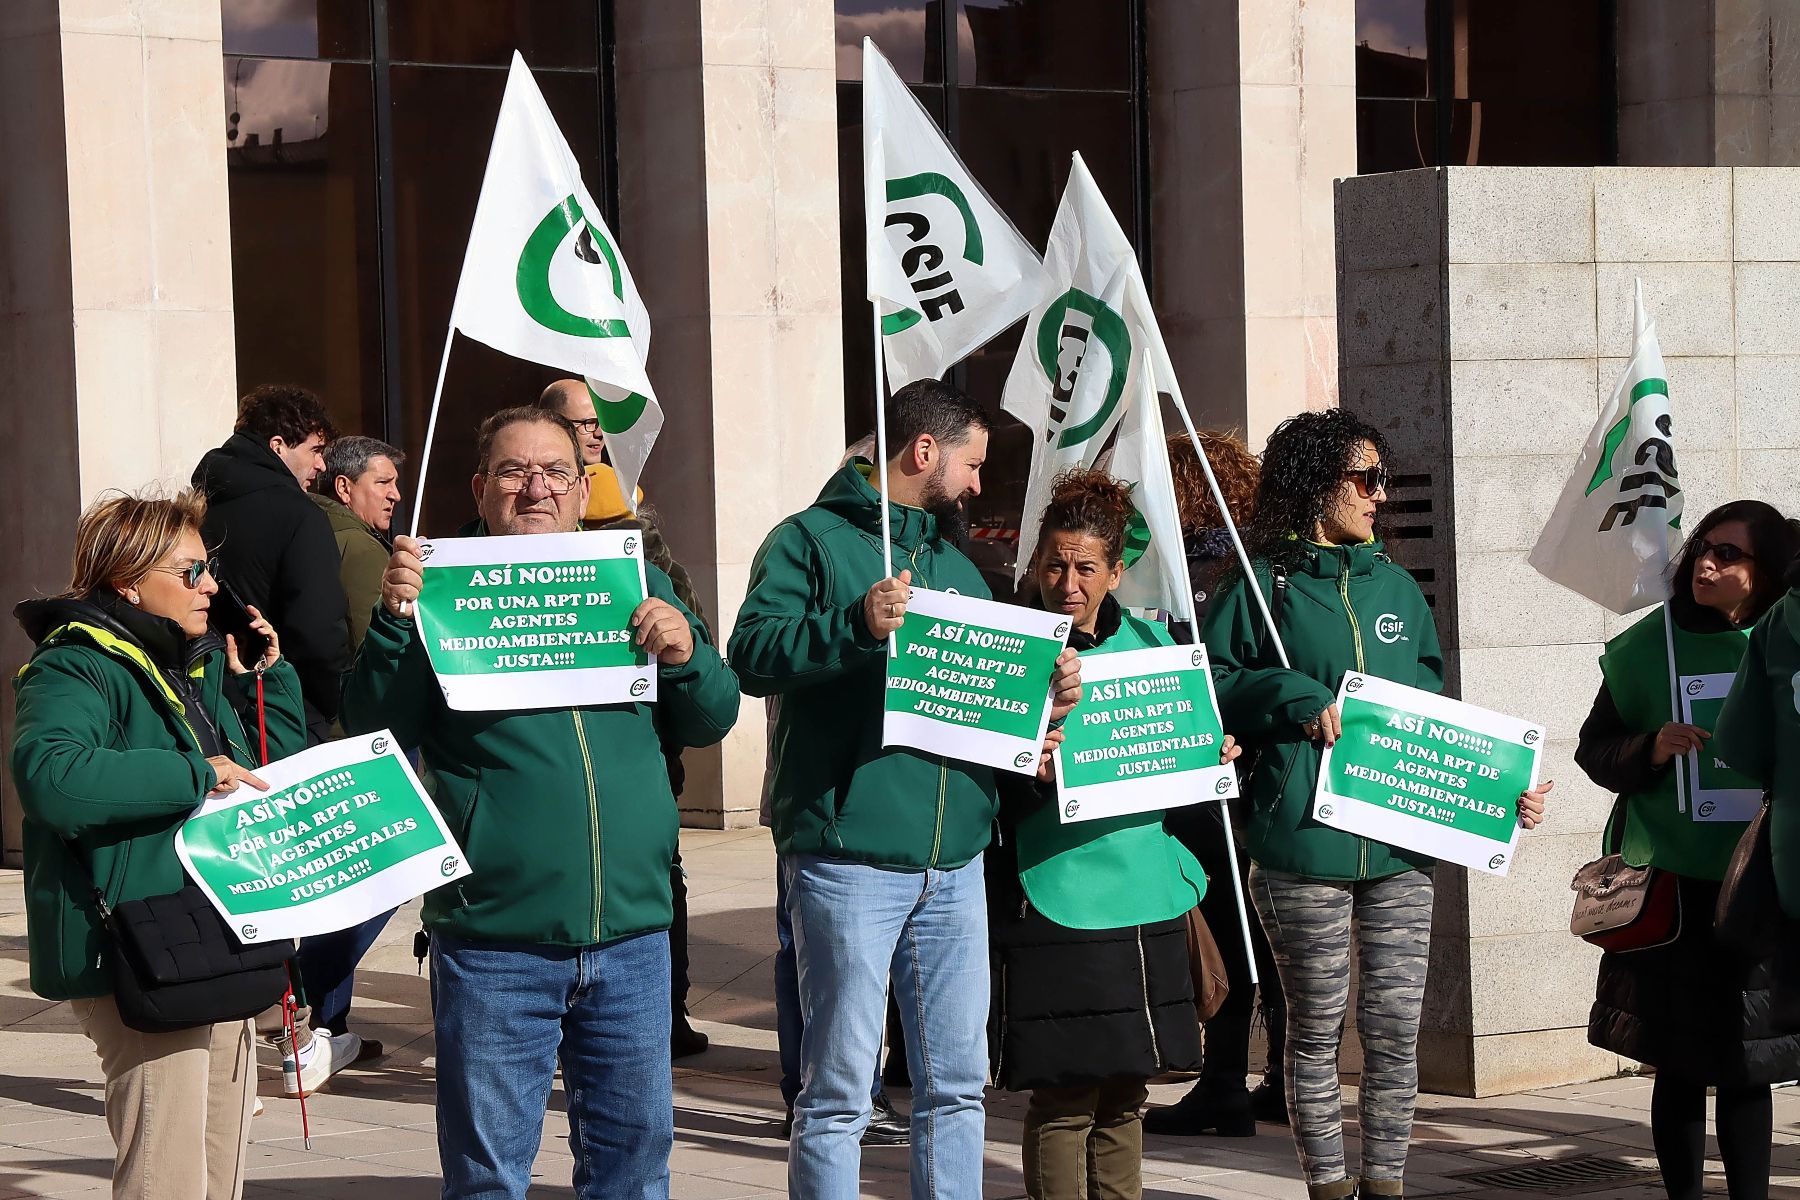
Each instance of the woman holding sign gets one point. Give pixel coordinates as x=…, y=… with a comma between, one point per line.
x=1092, y=991
x=1323, y=893
x=128, y=718
x=1688, y=1007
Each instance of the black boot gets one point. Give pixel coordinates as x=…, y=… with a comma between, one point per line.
x=1213, y=1106
x=887, y=1126
x=1268, y=1100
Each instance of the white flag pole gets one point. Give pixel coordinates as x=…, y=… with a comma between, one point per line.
x=1681, y=760
x=437, y=397
x=1187, y=578
x=881, y=446
x=1237, y=543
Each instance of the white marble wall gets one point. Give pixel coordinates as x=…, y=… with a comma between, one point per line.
x=1486, y=313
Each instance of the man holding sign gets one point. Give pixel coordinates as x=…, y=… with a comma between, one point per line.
x=556, y=947
x=882, y=845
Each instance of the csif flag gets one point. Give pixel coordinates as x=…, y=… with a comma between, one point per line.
x=1155, y=558
x=543, y=278
x=946, y=269
x=1617, y=525
x=1079, y=377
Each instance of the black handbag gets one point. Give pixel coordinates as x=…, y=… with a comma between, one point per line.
x=1748, y=918
x=177, y=965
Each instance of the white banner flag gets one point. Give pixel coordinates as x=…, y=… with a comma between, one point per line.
x=1155, y=558
x=543, y=278
x=1617, y=525
x=945, y=264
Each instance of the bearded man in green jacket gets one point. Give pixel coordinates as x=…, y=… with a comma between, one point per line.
x=556, y=948
x=881, y=846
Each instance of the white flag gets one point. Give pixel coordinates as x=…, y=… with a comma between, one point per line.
x=1076, y=372
x=1617, y=525
x=1155, y=557
x=543, y=278
x=945, y=264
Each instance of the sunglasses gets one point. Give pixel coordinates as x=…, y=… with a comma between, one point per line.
x=1724, y=553
x=1369, y=480
x=193, y=572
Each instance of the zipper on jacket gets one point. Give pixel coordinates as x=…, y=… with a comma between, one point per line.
x=1000, y=1050
x=1144, y=979
x=1362, y=843
x=593, y=814
x=937, y=834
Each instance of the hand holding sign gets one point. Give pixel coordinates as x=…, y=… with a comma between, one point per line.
x=1327, y=727
x=1065, y=684
x=229, y=775
x=884, y=607
x=1531, y=804
x=663, y=632
x=404, y=575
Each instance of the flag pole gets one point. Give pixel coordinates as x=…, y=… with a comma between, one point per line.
x=1681, y=799
x=1237, y=543
x=437, y=397
x=881, y=451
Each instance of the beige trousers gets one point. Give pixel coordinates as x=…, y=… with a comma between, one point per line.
x=178, y=1105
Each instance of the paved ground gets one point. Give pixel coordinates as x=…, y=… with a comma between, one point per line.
x=373, y=1132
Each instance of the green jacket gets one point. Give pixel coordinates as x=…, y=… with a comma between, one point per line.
x=1117, y=871
x=108, y=758
x=565, y=813
x=837, y=791
x=1758, y=733
x=1344, y=608
x=362, y=561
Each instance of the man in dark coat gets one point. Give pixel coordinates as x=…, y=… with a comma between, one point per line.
x=274, y=546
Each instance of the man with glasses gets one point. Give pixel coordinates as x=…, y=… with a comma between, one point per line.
x=556, y=949
x=607, y=509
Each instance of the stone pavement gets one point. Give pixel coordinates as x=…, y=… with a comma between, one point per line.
x=373, y=1132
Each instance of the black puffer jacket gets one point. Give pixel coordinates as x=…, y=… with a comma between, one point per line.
x=1073, y=1007
x=276, y=551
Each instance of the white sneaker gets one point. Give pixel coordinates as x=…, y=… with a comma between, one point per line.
x=326, y=1056
x=256, y=1110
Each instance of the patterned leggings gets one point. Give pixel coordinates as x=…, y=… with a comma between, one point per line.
x=1309, y=926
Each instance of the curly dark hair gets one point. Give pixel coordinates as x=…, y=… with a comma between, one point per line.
x=283, y=410
x=1302, y=465
x=1774, y=540
x=1233, y=466
x=1088, y=502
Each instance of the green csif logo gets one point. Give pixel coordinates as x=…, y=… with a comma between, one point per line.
x=1059, y=339
x=925, y=261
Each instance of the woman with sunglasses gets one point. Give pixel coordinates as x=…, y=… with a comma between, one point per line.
x=1688, y=1008
x=129, y=717
x=1323, y=894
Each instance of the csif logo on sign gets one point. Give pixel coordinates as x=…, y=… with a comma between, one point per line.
x=934, y=229
x=1065, y=343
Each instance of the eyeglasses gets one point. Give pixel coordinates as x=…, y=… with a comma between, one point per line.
x=557, y=481
x=192, y=573
x=1724, y=553
x=587, y=425
x=1369, y=480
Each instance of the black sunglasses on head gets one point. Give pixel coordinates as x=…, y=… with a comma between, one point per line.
x=1369, y=480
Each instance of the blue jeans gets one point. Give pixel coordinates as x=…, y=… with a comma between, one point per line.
x=505, y=1015
x=327, y=964
x=854, y=926
x=788, y=1023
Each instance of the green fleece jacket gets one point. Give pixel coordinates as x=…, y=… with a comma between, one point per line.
x=800, y=635
x=565, y=813
x=1758, y=733
x=362, y=561
x=108, y=760
x=1345, y=608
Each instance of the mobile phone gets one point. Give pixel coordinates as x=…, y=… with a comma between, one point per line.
x=230, y=615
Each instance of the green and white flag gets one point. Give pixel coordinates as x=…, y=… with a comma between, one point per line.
x=1618, y=523
x=945, y=264
x=1155, y=559
x=1080, y=375
x=543, y=278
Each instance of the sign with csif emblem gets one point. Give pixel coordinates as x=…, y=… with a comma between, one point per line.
x=536, y=620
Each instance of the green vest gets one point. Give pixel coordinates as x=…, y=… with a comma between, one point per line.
x=1114, y=872
x=1636, y=667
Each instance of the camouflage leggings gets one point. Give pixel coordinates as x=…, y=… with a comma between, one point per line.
x=1309, y=926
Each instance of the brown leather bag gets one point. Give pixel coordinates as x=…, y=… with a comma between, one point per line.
x=1206, y=965
x=1748, y=917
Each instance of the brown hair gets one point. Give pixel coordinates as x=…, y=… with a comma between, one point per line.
x=1091, y=503
x=1233, y=465
x=524, y=414
x=121, y=537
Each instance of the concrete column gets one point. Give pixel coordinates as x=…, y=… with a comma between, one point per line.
x=1252, y=117
x=727, y=117
x=115, y=273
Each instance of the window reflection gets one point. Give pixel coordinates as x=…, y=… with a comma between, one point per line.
x=549, y=33
x=296, y=28
x=1069, y=44
x=1391, y=41
x=909, y=32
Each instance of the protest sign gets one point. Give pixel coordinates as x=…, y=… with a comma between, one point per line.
x=344, y=832
x=1427, y=774
x=536, y=621
x=971, y=679
x=1145, y=736
x=1715, y=791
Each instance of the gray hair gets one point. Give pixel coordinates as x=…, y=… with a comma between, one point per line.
x=350, y=457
